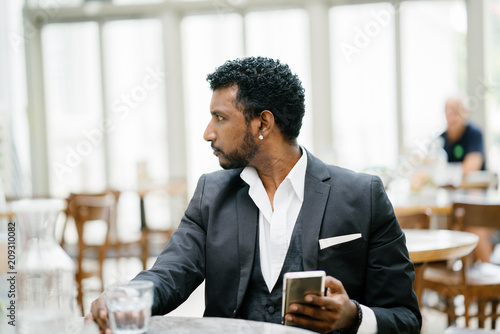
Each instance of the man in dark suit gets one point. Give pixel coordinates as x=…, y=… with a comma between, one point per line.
x=276, y=208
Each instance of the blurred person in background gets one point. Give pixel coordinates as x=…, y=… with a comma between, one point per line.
x=463, y=142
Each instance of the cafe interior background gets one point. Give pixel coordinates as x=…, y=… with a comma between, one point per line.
x=98, y=95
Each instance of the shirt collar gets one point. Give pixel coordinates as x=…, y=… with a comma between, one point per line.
x=297, y=175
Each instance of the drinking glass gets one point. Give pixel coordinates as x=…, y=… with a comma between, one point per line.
x=129, y=307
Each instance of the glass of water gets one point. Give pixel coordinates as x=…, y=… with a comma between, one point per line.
x=129, y=307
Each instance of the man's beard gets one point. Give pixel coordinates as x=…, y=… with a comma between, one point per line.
x=241, y=156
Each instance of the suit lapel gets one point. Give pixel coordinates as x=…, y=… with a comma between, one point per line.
x=247, y=220
x=313, y=208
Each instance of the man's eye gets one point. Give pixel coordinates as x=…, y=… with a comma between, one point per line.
x=219, y=117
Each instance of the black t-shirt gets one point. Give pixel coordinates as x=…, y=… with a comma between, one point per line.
x=471, y=141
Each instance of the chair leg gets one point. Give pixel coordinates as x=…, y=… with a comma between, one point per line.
x=481, y=312
x=494, y=313
x=145, y=250
x=103, y=251
x=79, y=296
x=466, y=309
x=450, y=310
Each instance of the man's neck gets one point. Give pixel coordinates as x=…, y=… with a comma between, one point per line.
x=455, y=134
x=274, y=166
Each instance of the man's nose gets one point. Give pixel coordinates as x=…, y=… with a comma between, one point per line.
x=209, y=134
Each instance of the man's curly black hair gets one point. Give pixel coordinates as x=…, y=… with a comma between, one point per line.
x=264, y=84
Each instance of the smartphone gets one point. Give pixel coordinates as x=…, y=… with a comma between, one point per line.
x=296, y=285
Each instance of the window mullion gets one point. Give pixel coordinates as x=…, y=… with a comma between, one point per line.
x=37, y=116
x=104, y=103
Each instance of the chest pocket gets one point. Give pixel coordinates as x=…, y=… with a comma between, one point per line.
x=344, y=248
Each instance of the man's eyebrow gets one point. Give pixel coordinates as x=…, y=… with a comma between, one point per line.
x=217, y=112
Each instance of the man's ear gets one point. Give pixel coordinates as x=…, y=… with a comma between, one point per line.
x=267, y=123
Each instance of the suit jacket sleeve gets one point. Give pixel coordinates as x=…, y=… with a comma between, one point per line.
x=180, y=267
x=375, y=269
x=390, y=273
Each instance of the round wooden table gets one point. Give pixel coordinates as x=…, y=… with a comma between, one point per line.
x=438, y=245
x=427, y=246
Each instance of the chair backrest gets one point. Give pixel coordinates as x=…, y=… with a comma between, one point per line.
x=90, y=207
x=475, y=214
x=85, y=207
x=420, y=220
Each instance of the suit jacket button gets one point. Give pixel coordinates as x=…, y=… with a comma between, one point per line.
x=234, y=313
x=270, y=309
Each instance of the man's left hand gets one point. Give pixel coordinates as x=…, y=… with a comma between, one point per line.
x=324, y=314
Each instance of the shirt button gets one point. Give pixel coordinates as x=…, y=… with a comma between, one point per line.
x=270, y=309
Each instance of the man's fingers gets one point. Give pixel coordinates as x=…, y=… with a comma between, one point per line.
x=99, y=314
x=320, y=301
x=333, y=286
x=103, y=313
x=102, y=318
x=311, y=310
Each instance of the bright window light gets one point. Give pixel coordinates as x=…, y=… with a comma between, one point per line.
x=74, y=113
x=433, y=64
x=135, y=104
x=363, y=86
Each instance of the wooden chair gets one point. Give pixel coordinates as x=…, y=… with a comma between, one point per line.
x=417, y=220
x=84, y=209
x=475, y=281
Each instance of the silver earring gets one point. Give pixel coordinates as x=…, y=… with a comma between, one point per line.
x=261, y=136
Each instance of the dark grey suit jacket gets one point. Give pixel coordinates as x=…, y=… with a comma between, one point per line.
x=216, y=238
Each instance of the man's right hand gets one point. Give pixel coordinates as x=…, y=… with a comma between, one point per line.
x=99, y=314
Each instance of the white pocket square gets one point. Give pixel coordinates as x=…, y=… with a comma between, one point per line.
x=329, y=242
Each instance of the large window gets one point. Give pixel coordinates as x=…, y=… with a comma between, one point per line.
x=135, y=103
x=492, y=84
x=364, y=76
x=390, y=64
x=105, y=108
x=14, y=132
x=363, y=85
x=433, y=54
x=74, y=108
